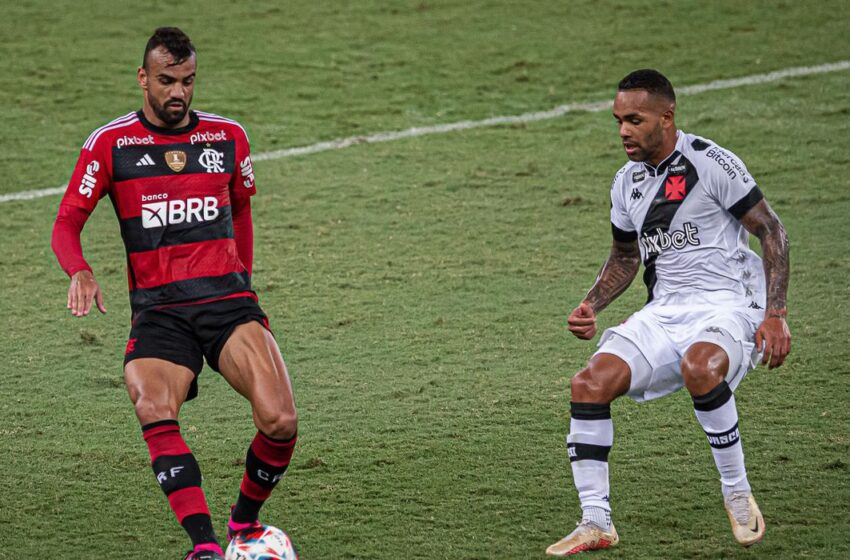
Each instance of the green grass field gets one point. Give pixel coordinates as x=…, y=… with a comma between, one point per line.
x=420, y=288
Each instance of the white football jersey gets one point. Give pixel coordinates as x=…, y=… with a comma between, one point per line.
x=686, y=215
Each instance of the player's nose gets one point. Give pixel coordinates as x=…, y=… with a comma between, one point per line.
x=178, y=91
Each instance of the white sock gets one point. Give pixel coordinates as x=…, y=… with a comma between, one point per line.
x=590, y=439
x=718, y=417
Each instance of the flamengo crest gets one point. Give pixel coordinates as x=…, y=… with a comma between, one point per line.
x=212, y=160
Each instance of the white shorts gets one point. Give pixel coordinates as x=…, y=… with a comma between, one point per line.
x=654, y=340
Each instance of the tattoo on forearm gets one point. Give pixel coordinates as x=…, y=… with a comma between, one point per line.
x=616, y=275
x=762, y=222
x=776, y=266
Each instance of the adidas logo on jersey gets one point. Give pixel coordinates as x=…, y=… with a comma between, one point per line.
x=658, y=242
x=147, y=160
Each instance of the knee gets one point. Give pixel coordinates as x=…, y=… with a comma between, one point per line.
x=703, y=367
x=586, y=387
x=277, y=425
x=149, y=410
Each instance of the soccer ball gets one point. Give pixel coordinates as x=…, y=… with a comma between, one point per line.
x=263, y=543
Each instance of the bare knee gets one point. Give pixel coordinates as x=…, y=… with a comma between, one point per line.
x=585, y=387
x=605, y=378
x=703, y=367
x=277, y=425
x=150, y=410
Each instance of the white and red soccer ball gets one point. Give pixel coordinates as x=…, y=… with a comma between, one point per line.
x=263, y=543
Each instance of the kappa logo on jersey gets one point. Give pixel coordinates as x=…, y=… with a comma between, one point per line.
x=134, y=141
x=219, y=136
x=176, y=160
x=674, y=187
x=658, y=242
x=171, y=212
x=212, y=160
x=636, y=194
x=247, y=172
x=728, y=163
x=638, y=176
x=88, y=181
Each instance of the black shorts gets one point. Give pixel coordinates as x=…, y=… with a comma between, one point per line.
x=186, y=334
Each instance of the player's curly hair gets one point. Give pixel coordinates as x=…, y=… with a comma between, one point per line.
x=174, y=41
x=651, y=80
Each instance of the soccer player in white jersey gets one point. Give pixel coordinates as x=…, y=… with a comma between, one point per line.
x=682, y=205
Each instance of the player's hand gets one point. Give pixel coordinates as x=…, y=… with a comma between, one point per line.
x=582, y=321
x=774, y=339
x=84, y=290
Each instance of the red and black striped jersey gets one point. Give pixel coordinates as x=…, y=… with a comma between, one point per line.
x=173, y=191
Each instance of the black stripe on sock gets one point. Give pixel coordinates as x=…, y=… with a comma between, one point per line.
x=279, y=441
x=587, y=451
x=262, y=473
x=246, y=510
x=153, y=425
x=722, y=440
x=590, y=411
x=200, y=529
x=714, y=399
x=175, y=472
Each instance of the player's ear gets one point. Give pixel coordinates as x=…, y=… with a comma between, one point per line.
x=142, y=77
x=668, y=116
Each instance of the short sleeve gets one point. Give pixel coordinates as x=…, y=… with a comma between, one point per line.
x=622, y=227
x=90, y=180
x=242, y=184
x=731, y=183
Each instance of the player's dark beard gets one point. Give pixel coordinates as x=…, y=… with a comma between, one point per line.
x=165, y=115
x=651, y=146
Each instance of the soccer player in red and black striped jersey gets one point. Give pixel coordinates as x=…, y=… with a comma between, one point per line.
x=181, y=183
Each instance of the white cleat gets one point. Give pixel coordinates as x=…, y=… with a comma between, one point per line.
x=587, y=536
x=745, y=517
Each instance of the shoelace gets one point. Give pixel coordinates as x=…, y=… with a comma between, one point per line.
x=739, y=504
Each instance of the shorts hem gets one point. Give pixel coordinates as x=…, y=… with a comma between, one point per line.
x=215, y=351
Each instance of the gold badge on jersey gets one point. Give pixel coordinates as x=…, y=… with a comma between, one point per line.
x=176, y=160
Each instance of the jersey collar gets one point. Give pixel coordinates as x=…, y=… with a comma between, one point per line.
x=193, y=122
x=666, y=162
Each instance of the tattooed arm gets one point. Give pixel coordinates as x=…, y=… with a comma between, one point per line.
x=616, y=275
x=773, y=334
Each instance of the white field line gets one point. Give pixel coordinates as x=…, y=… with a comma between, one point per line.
x=558, y=111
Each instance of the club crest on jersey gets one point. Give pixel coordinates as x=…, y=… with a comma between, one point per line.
x=675, y=188
x=212, y=160
x=638, y=176
x=176, y=160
